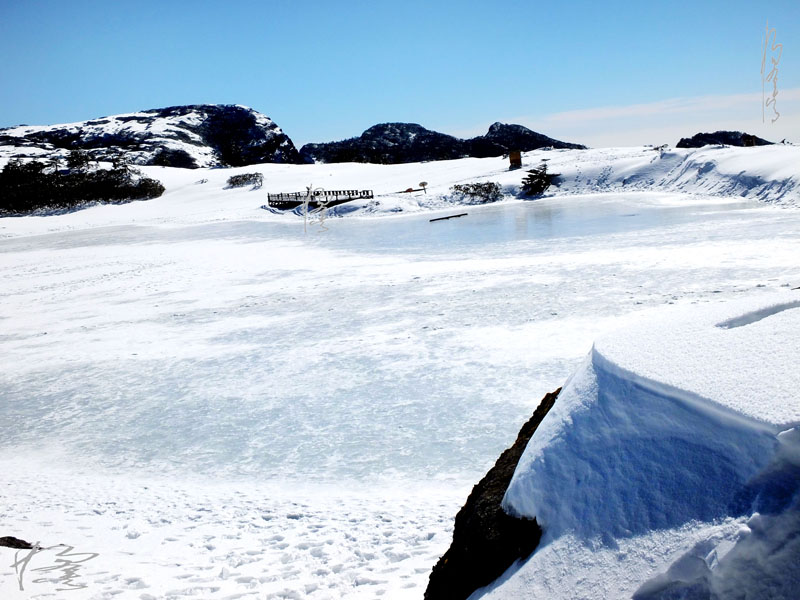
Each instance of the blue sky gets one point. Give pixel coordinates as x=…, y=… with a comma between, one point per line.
x=601, y=73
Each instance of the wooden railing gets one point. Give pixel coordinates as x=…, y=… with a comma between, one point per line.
x=317, y=198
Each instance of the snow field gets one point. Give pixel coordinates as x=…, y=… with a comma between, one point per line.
x=165, y=540
x=197, y=337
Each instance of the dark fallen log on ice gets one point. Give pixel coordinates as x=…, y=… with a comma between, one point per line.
x=450, y=217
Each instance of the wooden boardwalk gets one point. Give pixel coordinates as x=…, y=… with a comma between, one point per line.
x=318, y=198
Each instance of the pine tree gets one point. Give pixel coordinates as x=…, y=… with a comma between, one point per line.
x=538, y=180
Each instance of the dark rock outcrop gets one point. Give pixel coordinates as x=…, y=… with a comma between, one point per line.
x=728, y=138
x=12, y=542
x=388, y=143
x=200, y=135
x=392, y=143
x=516, y=137
x=486, y=540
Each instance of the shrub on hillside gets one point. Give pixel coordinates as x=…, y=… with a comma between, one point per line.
x=254, y=179
x=475, y=193
x=537, y=181
x=172, y=157
x=26, y=187
x=78, y=160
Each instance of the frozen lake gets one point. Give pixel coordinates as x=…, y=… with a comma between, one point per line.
x=379, y=353
x=382, y=347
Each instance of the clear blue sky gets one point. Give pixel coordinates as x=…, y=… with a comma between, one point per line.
x=329, y=70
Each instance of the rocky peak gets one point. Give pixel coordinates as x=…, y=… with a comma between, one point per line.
x=189, y=136
x=728, y=138
x=410, y=142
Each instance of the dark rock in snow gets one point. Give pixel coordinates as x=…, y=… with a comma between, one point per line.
x=392, y=143
x=486, y=540
x=388, y=143
x=12, y=542
x=728, y=138
x=200, y=135
x=517, y=137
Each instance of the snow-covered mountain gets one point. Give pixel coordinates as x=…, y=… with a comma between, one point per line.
x=392, y=143
x=200, y=135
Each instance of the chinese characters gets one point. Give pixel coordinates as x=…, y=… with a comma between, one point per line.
x=66, y=563
x=770, y=46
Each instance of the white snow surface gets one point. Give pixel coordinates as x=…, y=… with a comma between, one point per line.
x=671, y=436
x=221, y=405
x=745, y=346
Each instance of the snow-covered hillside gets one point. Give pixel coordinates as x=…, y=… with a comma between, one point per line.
x=219, y=402
x=670, y=464
x=201, y=135
x=768, y=174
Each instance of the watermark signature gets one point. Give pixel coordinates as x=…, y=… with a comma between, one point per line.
x=772, y=76
x=322, y=206
x=66, y=562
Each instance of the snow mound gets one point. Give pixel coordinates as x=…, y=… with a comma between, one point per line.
x=765, y=173
x=673, y=443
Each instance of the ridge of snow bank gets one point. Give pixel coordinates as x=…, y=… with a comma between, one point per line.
x=670, y=462
x=613, y=462
x=766, y=173
x=769, y=174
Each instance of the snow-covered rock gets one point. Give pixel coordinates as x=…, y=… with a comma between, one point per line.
x=201, y=135
x=670, y=464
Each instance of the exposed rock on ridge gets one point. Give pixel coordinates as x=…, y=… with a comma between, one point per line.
x=486, y=540
x=392, y=143
x=200, y=135
x=729, y=138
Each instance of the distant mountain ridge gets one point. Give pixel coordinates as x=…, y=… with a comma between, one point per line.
x=728, y=138
x=393, y=143
x=190, y=136
x=228, y=135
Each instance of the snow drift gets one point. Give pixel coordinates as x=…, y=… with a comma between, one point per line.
x=670, y=465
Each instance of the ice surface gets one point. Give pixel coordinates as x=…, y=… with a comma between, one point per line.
x=386, y=361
